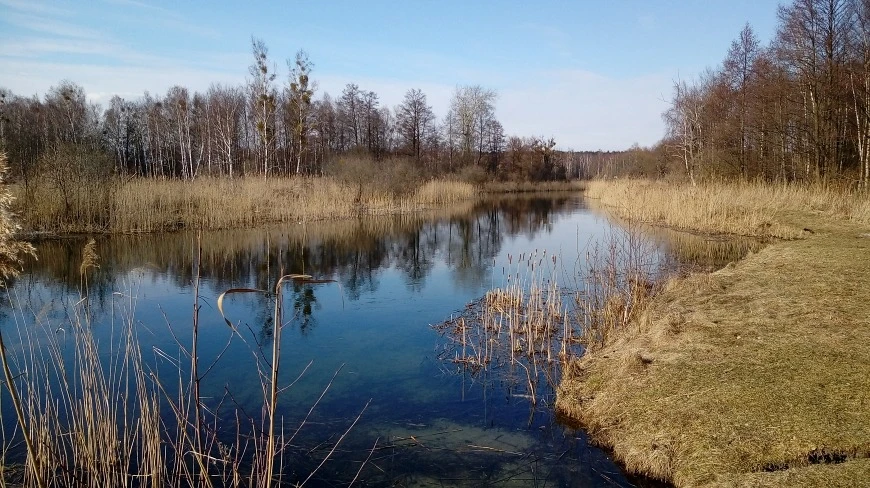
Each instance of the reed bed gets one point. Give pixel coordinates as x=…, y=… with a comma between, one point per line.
x=617, y=279
x=151, y=205
x=743, y=208
x=524, y=326
x=534, y=326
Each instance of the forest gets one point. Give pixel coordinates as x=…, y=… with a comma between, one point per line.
x=797, y=109
x=274, y=125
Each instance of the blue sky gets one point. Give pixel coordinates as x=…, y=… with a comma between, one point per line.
x=591, y=74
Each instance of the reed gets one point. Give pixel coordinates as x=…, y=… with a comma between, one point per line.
x=617, y=278
x=152, y=205
x=103, y=416
x=523, y=327
x=745, y=208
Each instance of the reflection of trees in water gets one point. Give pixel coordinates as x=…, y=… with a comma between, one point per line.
x=352, y=252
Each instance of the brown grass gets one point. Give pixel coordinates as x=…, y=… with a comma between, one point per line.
x=749, y=209
x=763, y=365
x=148, y=205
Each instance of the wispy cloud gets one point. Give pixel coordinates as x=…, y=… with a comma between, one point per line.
x=34, y=7
x=52, y=27
x=36, y=47
x=100, y=81
x=167, y=18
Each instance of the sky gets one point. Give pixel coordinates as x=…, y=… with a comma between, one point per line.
x=591, y=74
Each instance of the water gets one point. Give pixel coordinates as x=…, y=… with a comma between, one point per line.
x=367, y=339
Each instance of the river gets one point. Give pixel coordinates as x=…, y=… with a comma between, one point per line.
x=362, y=347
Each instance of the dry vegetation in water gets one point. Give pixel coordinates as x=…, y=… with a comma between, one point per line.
x=151, y=205
x=522, y=326
x=755, y=375
x=98, y=413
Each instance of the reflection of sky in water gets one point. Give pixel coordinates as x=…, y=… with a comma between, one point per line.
x=397, y=277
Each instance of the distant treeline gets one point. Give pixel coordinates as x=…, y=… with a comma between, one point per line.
x=797, y=109
x=271, y=126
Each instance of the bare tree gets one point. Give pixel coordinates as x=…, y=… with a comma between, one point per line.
x=299, y=97
x=738, y=72
x=471, y=109
x=684, y=125
x=263, y=101
x=226, y=109
x=414, y=121
x=349, y=115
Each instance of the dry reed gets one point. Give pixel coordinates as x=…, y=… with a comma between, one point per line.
x=94, y=413
x=523, y=326
x=743, y=208
x=12, y=251
x=617, y=278
x=150, y=205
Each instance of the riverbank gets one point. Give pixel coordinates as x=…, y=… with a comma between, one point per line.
x=151, y=205
x=755, y=375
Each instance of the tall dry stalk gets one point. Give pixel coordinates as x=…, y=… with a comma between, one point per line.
x=616, y=278
x=744, y=208
x=517, y=327
x=271, y=388
x=11, y=258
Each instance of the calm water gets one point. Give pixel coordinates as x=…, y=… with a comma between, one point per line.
x=432, y=422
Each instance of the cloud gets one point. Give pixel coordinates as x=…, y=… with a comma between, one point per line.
x=26, y=77
x=169, y=19
x=34, y=7
x=37, y=47
x=48, y=26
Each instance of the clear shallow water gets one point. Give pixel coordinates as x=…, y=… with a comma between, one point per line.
x=431, y=422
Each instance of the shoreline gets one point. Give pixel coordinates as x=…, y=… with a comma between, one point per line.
x=752, y=375
x=147, y=206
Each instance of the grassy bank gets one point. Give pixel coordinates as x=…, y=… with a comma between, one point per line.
x=148, y=205
x=755, y=375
